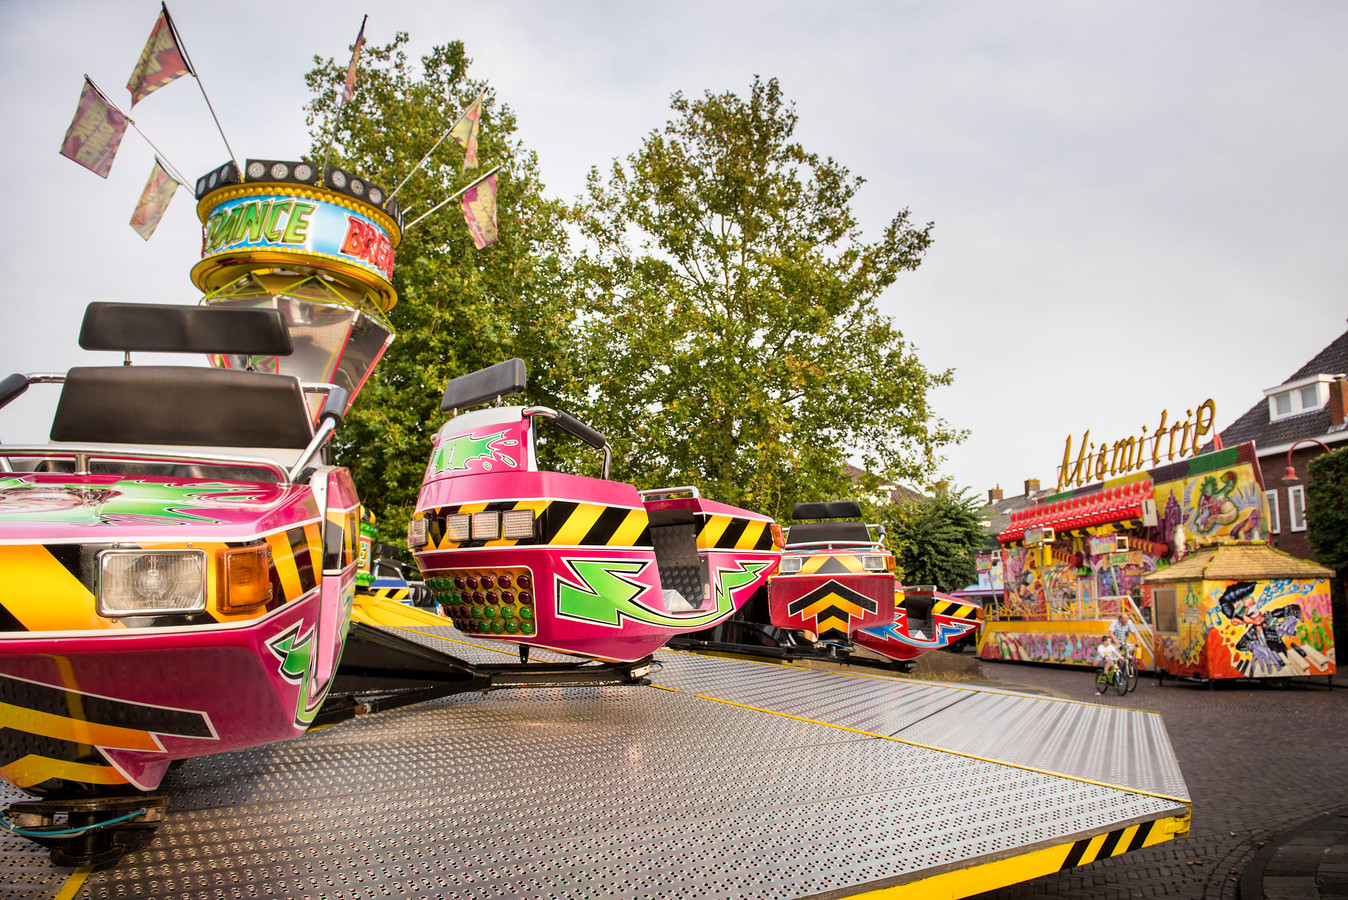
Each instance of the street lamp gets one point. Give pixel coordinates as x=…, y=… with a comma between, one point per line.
x=1289, y=475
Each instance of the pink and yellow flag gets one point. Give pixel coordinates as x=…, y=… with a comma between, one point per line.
x=160, y=62
x=349, y=88
x=95, y=133
x=154, y=200
x=465, y=131
x=479, y=211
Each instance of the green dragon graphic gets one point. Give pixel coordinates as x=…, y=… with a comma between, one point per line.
x=455, y=454
x=129, y=501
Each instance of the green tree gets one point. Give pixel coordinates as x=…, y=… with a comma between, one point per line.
x=939, y=538
x=730, y=327
x=1327, y=527
x=460, y=308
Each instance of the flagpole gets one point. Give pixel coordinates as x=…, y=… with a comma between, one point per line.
x=341, y=102
x=177, y=175
x=447, y=133
x=453, y=196
x=192, y=70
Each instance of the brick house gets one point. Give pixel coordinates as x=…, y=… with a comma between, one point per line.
x=1309, y=406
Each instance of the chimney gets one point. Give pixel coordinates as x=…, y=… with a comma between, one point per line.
x=1338, y=401
x=994, y=495
x=1031, y=486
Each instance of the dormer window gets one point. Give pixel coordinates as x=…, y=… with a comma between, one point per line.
x=1296, y=397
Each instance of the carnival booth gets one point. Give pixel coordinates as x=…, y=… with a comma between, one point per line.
x=1241, y=610
x=1076, y=560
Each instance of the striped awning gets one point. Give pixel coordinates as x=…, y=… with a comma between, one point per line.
x=1106, y=506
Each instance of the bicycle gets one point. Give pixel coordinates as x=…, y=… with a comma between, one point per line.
x=1111, y=674
x=1130, y=666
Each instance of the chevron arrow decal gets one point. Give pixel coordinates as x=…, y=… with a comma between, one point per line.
x=832, y=606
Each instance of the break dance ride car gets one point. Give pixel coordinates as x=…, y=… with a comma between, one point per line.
x=581, y=565
x=179, y=567
x=180, y=559
x=835, y=596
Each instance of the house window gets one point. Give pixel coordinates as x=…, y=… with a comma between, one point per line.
x=1166, y=610
x=1274, y=513
x=1297, y=397
x=1296, y=506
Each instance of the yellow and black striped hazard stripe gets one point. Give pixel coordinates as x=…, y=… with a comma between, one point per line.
x=981, y=877
x=831, y=564
x=296, y=559
x=1103, y=846
x=717, y=532
x=398, y=594
x=955, y=608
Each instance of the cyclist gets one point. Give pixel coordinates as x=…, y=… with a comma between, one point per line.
x=1127, y=638
x=1122, y=629
x=1108, y=654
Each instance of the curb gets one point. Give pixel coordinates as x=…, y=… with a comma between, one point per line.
x=1287, y=867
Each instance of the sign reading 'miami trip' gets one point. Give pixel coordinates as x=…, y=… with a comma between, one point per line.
x=303, y=224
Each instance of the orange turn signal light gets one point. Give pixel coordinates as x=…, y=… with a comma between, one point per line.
x=245, y=579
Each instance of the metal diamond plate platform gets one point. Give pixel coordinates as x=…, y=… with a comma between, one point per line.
x=820, y=783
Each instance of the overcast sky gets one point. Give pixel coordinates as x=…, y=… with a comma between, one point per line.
x=1138, y=205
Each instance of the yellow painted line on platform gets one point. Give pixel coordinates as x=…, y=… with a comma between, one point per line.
x=999, y=762
x=73, y=883
x=900, y=680
x=965, y=882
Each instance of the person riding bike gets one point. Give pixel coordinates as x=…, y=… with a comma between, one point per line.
x=1123, y=631
x=1108, y=654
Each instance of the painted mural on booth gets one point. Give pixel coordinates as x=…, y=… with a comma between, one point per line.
x=1265, y=629
x=1225, y=502
x=1071, y=648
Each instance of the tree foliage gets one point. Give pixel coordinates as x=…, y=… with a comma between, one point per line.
x=460, y=308
x=939, y=538
x=729, y=321
x=1327, y=508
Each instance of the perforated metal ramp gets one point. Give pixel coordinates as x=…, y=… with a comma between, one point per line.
x=736, y=779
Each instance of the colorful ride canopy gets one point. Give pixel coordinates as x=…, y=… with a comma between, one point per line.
x=318, y=250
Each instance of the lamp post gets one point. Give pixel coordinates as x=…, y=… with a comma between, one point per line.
x=1289, y=475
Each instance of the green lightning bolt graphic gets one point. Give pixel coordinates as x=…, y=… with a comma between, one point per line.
x=455, y=454
x=297, y=655
x=607, y=595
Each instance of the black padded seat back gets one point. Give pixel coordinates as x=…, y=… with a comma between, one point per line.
x=189, y=406
x=165, y=328
x=830, y=509
x=817, y=532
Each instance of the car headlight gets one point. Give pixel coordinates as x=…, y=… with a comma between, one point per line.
x=790, y=565
x=873, y=563
x=456, y=527
x=517, y=524
x=148, y=582
x=417, y=533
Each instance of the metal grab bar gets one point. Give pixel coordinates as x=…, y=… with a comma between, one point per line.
x=657, y=493
x=576, y=428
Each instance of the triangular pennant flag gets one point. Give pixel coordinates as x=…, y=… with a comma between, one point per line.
x=349, y=88
x=95, y=133
x=154, y=200
x=465, y=131
x=479, y=211
x=160, y=62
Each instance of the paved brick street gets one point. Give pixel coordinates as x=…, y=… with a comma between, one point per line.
x=1257, y=761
